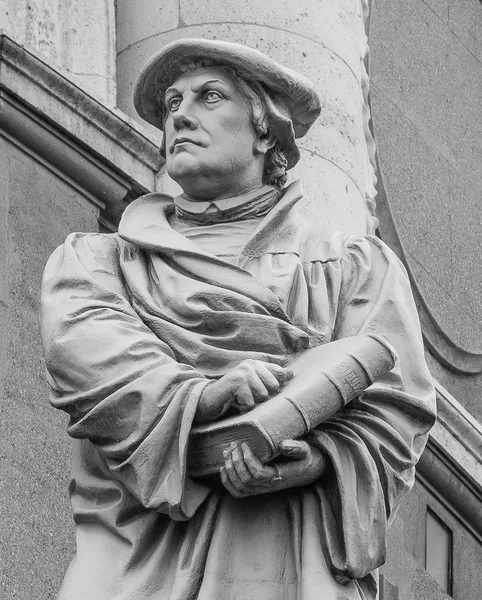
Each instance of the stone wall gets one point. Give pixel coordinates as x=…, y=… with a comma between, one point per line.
x=426, y=99
x=404, y=576
x=426, y=81
x=36, y=529
x=77, y=38
x=66, y=164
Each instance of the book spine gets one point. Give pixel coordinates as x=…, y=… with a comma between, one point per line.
x=324, y=392
x=338, y=375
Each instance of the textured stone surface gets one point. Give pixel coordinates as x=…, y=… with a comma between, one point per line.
x=109, y=134
x=437, y=216
x=404, y=576
x=462, y=18
x=36, y=541
x=145, y=22
x=4, y=259
x=333, y=24
x=465, y=388
x=460, y=434
x=77, y=38
x=427, y=114
x=330, y=196
x=429, y=74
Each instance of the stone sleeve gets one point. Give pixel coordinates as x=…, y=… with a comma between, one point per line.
x=121, y=386
x=374, y=443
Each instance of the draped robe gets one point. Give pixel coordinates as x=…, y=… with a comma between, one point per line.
x=136, y=324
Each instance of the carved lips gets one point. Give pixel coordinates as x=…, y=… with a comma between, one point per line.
x=181, y=142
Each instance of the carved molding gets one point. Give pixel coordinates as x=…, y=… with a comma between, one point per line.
x=90, y=146
x=442, y=478
x=459, y=434
x=46, y=89
x=70, y=162
x=370, y=166
x=451, y=466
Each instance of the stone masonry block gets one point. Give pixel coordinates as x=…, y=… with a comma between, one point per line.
x=137, y=21
x=432, y=77
x=334, y=24
x=330, y=197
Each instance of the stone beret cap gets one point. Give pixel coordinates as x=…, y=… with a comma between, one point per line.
x=293, y=95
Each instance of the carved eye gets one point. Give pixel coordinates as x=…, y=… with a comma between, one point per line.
x=212, y=96
x=174, y=103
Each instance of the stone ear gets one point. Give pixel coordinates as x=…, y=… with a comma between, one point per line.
x=264, y=142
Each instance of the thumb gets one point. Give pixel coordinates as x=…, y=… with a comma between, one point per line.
x=294, y=449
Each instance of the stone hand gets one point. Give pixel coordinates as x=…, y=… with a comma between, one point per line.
x=251, y=382
x=244, y=475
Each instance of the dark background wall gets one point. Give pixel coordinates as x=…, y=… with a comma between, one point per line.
x=67, y=164
x=39, y=210
x=426, y=100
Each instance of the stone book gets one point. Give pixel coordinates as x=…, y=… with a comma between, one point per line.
x=325, y=379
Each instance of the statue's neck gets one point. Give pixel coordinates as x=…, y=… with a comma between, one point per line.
x=238, y=208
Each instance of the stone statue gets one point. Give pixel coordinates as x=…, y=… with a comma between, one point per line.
x=191, y=312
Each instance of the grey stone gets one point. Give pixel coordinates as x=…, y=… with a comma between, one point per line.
x=430, y=157
x=36, y=542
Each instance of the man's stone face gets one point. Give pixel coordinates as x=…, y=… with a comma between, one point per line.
x=209, y=135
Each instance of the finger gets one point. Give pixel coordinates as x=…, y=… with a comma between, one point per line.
x=239, y=464
x=282, y=374
x=235, y=493
x=257, y=387
x=231, y=471
x=244, y=396
x=294, y=449
x=269, y=380
x=259, y=472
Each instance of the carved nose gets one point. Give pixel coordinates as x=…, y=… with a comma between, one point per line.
x=184, y=121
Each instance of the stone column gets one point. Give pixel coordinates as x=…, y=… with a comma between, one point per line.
x=76, y=38
x=325, y=40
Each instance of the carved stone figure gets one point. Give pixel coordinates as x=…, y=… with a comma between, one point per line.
x=190, y=313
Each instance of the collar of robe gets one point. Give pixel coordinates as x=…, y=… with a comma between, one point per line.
x=145, y=224
x=237, y=315
x=245, y=206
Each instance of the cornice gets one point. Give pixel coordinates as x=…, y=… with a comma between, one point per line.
x=451, y=466
x=91, y=146
x=462, y=427
x=457, y=493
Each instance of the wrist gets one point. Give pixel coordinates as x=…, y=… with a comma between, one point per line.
x=208, y=409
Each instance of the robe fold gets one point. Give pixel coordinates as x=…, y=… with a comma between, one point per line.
x=136, y=324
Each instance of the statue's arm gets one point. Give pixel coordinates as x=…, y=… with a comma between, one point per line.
x=121, y=385
x=374, y=443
